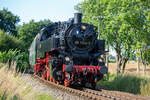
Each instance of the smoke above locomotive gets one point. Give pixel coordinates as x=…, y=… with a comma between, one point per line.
x=68, y=53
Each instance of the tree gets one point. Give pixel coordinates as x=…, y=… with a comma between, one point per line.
x=8, y=42
x=121, y=25
x=142, y=31
x=119, y=34
x=28, y=31
x=8, y=21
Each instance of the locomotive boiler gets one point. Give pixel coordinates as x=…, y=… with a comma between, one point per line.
x=68, y=53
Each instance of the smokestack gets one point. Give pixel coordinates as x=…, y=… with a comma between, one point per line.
x=77, y=18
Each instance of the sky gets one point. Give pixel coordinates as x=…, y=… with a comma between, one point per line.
x=55, y=10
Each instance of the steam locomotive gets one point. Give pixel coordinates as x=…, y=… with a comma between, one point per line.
x=68, y=53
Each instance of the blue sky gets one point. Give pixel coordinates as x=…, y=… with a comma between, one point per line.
x=55, y=10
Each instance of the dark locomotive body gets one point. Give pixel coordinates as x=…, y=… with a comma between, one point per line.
x=68, y=53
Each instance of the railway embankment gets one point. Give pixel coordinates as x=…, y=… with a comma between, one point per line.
x=17, y=86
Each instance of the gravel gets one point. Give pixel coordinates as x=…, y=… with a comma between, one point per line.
x=41, y=88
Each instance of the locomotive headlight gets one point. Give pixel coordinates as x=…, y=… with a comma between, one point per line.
x=101, y=58
x=67, y=58
x=83, y=27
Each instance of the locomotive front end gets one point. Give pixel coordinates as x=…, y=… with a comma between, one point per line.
x=80, y=36
x=83, y=64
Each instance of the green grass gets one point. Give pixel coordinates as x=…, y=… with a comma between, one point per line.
x=45, y=97
x=145, y=89
x=127, y=83
x=5, y=96
x=1, y=65
x=26, y=91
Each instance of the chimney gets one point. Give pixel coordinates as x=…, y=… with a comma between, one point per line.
x=77, y=18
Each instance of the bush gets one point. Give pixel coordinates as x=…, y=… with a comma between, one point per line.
x=21, y=58
x=22, y=61
x=8, y=42
x=8, y=56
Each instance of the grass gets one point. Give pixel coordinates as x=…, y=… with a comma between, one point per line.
x=1, y=65
x=5, y=96
x=16, y=88
x=128, y=83
x=44, y=97
x=145, y=89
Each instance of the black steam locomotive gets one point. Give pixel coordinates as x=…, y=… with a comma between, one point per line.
x=68, y=53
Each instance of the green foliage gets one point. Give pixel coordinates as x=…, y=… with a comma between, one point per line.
x=126, y=83
x=8, y=21
x=15, y=48
x=10, y=55
x=148, y=56
x=28, y=31
x=125, y=23
x=15, y=97
x=1, y=65
x=4, y=96
x=22, y=61
x=11, y=49
x=45, y=97
x=21, y=58
x=9, y=42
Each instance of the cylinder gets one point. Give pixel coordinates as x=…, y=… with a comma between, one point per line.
x=77, y=18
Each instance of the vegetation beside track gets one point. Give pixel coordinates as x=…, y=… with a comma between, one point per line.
x=12, y=87
x=138, y=85
x=5, y=96
x=21, y=59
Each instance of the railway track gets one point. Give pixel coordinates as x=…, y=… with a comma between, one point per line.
x=115, y=95
x=89, y=94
